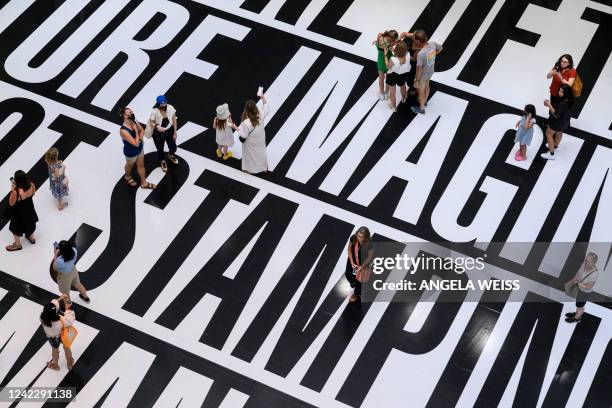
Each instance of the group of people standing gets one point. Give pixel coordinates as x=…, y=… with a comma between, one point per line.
x=162, y=127
x=406, y=60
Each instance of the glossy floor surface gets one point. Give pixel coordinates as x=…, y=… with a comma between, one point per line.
x=224, y=289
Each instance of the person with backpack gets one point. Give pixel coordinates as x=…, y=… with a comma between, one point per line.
x=57, y=316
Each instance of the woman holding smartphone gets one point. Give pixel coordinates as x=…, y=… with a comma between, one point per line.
x=64, y=259
x=20, y=210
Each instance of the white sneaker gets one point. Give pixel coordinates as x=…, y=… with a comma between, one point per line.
x=386, y=95
x=547, y=156
x=547, y=146
x=381, y=96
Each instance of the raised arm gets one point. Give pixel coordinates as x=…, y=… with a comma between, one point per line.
x=265, y=107
x=406, y=34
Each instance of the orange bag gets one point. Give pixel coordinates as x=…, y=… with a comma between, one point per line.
x=577, y=86
x=69, y=334
x=363, y=275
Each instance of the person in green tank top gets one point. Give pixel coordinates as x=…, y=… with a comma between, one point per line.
x=386, y=40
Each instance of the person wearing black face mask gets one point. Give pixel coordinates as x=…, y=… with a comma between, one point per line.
x=164, y=125
x=131, y=133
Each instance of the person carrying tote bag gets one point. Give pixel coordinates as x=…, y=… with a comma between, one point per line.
x=581, y=285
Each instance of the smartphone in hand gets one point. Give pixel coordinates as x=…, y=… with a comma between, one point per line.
x=260, y=91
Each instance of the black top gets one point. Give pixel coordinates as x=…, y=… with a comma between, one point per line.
x=412, y=72
x=361, y=248
x=23, y=216
x=560, y=120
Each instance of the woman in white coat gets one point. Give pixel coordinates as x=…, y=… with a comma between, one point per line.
x=253, y=137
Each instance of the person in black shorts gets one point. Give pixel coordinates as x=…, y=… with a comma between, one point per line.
x=397, y=74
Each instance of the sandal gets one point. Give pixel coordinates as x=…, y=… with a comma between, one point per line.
x=164, y=166
x=173, y=159
x=149, y=186
x=85, y=298
x=130, y=181
x=227, y=156
x=13, y=247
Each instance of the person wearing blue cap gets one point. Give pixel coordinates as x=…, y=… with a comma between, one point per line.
x=164, y=124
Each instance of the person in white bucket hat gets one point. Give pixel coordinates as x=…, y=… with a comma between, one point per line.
x=224, y=127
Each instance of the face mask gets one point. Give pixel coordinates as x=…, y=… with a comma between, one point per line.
x=164, y=107
x=132, y=117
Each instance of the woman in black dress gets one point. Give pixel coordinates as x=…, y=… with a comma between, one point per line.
x=358, y=245
x=558, y=120
x=21, y=210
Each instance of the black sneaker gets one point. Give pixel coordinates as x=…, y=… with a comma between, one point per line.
x=572, y=319
x=572, y=314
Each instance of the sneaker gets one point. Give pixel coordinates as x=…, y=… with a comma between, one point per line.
x=416, y=109
x=547, y=156
x=572, y=314
x=386, y=95
x=572, y=319
x=381, y=96
x=555, y=146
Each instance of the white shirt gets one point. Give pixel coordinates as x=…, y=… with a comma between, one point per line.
x=157, y=117
x=56, y=327
x=583, y=277
x=398, y=67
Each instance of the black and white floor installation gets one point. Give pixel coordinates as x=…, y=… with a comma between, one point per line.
x=223, y=289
